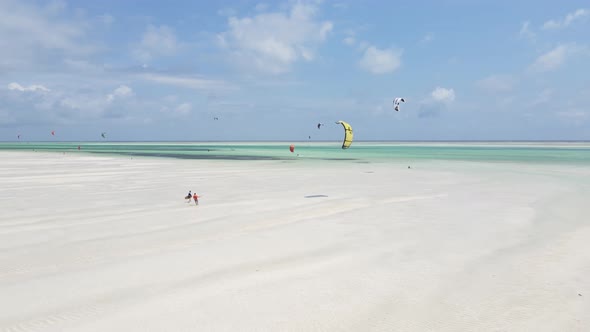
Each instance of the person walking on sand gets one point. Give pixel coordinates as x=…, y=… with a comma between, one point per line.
x=196, y=198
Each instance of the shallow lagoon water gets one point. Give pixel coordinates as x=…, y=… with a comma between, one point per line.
x=535, y=152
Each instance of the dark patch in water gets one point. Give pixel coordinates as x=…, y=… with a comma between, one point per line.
x=188, y=156
x=207, y=156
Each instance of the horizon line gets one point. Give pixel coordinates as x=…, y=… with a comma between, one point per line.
x=307, y=141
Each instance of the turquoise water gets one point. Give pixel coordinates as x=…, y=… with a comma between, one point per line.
x=548, y=152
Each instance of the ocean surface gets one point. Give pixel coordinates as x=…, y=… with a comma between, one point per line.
x=528, y=152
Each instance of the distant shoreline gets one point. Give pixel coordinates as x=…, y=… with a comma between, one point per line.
x=312, y=141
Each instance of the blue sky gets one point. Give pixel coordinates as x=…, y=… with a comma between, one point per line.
x=149, y=70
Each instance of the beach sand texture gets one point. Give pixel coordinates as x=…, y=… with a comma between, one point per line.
x=101, y=243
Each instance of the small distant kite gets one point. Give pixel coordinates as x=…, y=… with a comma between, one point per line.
x=53, y=133
x=292, y=148
x=319, y=125
x=103, y=134
x=396, y=102
x=18, y=136
x=215, y=118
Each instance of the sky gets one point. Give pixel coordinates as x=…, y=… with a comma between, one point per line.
x=158, y=71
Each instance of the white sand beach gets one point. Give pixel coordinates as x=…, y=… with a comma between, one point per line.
x=101, y=243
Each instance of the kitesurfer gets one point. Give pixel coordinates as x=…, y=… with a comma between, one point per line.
x=196, y=198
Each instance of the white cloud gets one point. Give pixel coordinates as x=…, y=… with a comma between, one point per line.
x=82, y=66
x=30, y=34
x=33, y=88
x=261, y=7
x=497, y=83
x=350, y=41
x=551, y=24
x=64, y=106
x=180, y=110
x=526, y=32
x=569, y=19
x=542, y=98
x=91, y=100
x=106, y=19
x=121, y=92
x=184, y=108
x=379, y=61
x=573, y=114
x=354, y=41
x=55, y=7
x=554, y=58
x=83, y=105
x=363, y=45
x=427, y=38
x=226, y=11
x=575, y=15
x=443, y=95
x=73, y=105
x=273, y=42
x=435, y=103
x=188, y=82
x=156, y=42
